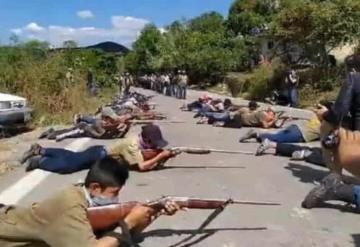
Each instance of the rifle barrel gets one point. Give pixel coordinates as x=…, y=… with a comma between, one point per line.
x=256, y=203
x=230, y=151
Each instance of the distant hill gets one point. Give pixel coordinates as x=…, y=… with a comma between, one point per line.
x=110, y=47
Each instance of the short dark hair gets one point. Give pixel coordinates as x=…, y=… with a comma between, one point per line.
x=353, y=62
x=108, y=172
x=227, y=102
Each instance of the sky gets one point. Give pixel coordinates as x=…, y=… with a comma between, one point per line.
x=91, y=21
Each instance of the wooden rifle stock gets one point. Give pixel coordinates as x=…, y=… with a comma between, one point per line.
x=107, y=217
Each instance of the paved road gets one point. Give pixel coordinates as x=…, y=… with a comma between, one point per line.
x=241, y=177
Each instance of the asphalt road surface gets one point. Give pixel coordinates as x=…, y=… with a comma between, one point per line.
x=241, y=177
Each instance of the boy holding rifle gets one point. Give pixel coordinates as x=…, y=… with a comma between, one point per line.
x=62, y=220
x=134, y=150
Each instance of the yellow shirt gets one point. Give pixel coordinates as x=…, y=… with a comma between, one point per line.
x=310, y=129
x=127, y=149
x=60, y=221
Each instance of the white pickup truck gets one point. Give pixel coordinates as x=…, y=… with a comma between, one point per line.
x=14, y=112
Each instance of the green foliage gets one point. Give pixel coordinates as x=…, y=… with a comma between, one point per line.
x=237, y=83
x=34, y=71
x=245, y=15
x=201, y=46
x=260, y=84
x=318, y=26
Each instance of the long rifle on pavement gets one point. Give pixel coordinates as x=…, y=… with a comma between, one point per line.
x=149, y=121
x=151, y=153
x=107, y=217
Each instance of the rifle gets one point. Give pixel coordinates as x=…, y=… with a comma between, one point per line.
x=149, y=121
x=107, y=217
x=151, y=153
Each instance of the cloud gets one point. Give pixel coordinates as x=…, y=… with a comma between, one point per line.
x=33, y=27
x=123, y=29
x=85, y=14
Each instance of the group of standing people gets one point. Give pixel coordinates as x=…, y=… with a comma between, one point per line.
x=169, y=84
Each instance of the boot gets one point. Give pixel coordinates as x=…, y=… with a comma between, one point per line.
x=331, y=188
x=250, y=134
x=34, y=163
x=46, y=133
x=33, y=151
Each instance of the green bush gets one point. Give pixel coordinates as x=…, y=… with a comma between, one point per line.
x=237, y=83
x=260, y=82
x=42, y=80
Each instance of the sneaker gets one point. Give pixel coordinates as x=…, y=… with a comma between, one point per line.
x=265, y=145
x=46, y=133
x=250, y=134
x=76, y=118
x=218, y=124
x=33, y=151
x=203, y=120
x=34, y=163
x=326, y=191
x=300, y=154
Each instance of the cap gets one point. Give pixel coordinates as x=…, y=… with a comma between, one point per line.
x=153, y=133
x=108, y=112
x=253, y=105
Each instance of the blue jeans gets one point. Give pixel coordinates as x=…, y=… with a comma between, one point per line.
x=218, y=116
x=64, y=161
x=182, y=91
x=291, y=134
x=88, y=119
x=173, y=90
x=357, y=195
x=293, y=97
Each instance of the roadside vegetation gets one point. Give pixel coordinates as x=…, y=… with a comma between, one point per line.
x=54, y=81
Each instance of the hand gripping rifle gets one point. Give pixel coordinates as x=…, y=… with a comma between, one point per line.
x=107, y=217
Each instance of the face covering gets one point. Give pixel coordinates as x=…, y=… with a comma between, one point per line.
x=98, y=201
x=144, y=145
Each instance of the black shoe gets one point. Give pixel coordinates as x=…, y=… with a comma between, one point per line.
x=34, y=163
x=326, y=191
x=33, y=151
x=46, y=133
x=250, y=134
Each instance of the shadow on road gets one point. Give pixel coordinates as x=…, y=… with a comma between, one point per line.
x=308, y=174
x=356, y=238
x=204, y=234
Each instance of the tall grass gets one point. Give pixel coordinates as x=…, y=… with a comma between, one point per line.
x=54, y=98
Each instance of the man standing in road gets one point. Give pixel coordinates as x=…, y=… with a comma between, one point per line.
x=182, y=84
x=291, y=82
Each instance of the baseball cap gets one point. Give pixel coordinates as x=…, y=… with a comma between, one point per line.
x=153, y=133
x=108, y=112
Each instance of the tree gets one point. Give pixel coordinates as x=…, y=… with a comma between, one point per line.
x=208, y=22
x=14, y=39
x=147, y=48
x=246, y=15
x=69, y=44
x=318, y=26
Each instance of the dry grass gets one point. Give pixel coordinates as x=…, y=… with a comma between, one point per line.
x=54, y=98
